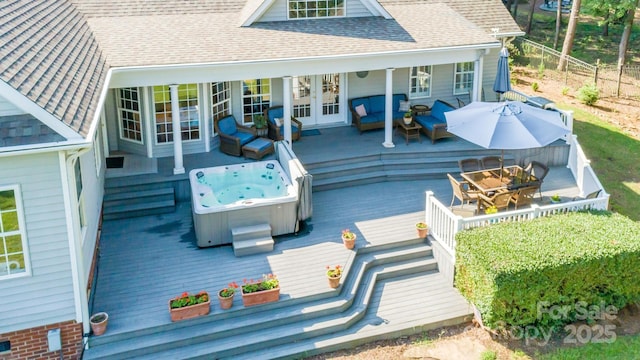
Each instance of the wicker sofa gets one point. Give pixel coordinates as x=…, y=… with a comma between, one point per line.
x=374, y=108
x=434, y=125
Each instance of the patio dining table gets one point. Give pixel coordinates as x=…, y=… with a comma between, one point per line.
x=490, y=180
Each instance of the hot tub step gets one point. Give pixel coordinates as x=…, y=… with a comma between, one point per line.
x=252, y=246
x=241, y=233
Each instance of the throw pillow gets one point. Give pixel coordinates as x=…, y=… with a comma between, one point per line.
x=360, y=110
x=278, y=121
x=404, y=106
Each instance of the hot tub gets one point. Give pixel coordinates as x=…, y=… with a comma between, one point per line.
x=233, y=196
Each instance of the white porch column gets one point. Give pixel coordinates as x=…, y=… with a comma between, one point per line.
x=286, y=107
x=388, y=110
x=178, y=168
x=476, y=94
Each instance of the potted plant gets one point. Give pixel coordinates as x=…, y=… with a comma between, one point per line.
x=260, y=122
x=225, y=296
x=187, y=306
x=491, y=210
x=334, y=274
x=422, y=229
x=99, y=322
x=408, y=117
x=348, y=238
x=555, y=198
x=259, y=292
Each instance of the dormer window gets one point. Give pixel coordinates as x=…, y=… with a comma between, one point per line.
x=305, y=9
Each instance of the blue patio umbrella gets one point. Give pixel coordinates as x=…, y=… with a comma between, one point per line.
x=503, y=78
x=506, y=126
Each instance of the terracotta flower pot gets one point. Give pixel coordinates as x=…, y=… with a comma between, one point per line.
x=98, y=323
x=349, y=243
x=225, y=302
x=260, y=297
x=334, y=281
x=190, y=311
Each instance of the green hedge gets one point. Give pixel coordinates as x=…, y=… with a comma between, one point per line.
x=506, y=270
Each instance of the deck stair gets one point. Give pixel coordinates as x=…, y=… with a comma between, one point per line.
x=297, y=327
x=123, y=200
x=252, y=239
x=360, y=170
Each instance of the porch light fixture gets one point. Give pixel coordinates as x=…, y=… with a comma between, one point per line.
x=362, y=74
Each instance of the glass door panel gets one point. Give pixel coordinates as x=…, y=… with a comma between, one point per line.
x=318, y=99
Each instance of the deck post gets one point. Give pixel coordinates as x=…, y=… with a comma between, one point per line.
x=286, y=107
x=476, y=93
x=178, y=167
x=388, y=110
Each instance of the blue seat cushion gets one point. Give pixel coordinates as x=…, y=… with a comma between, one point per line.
x=275, y=113
x=244, y=137
x=362, y=101
x=227, y=125
x=438, y=109
x=427, y=121
x=377, y=104
x=294, y=129
x=258, y=144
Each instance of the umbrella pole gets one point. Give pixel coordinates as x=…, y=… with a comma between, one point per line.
x=501, y=164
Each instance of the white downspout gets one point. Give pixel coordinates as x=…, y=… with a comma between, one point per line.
x=388, y=111
x=81, y=302
x=286, y=107
x=178, y=168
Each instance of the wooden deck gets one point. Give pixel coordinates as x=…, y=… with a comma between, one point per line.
x=145, y=261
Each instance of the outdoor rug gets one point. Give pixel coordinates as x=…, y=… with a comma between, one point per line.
x=115, y=162
x=310, y=132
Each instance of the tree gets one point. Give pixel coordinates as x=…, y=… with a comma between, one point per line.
x=626, y=35
x=567, y=45
x=530, y=17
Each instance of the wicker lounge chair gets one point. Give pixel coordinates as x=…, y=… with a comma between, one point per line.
x=277, y=132
x=233, y=136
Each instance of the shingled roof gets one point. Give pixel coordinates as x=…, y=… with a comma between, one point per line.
x=49, y=54
x=57, y=52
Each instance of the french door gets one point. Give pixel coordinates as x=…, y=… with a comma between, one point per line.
x=319, y=99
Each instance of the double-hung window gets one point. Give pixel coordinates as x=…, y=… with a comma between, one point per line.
x=420, y=82
x=13, y=242
x=129, y=114
x=463, y=78
x=256, y=97
x=188, y=109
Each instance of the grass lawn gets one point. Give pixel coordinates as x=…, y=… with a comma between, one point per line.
x=613, y=157
x=626, y=347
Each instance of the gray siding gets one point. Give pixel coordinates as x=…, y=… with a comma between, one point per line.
x=92, y=192
x=278, y=11
x=47, y=295
x=7, y=108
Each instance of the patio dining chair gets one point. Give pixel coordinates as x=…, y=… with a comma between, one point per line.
x=539, y=171
x=500, y=200
x=469, y=164
x=524, y=196
x=490, y=162
x=462, y=192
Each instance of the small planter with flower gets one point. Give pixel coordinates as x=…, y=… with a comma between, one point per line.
x=187, y=306
x=490, y=211
x=348, y=238
x=422, y=229
x=256, y=292
x=408, y=117
x=334, y=274
x=556, y=199
x=225, y=296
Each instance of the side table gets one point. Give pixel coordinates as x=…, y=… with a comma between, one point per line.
x=420, y=109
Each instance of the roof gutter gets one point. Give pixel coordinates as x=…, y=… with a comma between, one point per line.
x=126, y=69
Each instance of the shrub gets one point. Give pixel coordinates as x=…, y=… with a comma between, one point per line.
x=535, y=86
x=588, y=94
x=510, y=269
x=565, y=90
x=541, y=70
x=488, y=355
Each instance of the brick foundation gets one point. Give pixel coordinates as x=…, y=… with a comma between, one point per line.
x=32, y=343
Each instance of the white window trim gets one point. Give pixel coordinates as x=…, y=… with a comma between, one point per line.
x=465, y=91
x=215, y=104
x=344, y=11
x=119, y=109
x=22, y=232
x=262, y=95
x=155, y=133
x=420, y=95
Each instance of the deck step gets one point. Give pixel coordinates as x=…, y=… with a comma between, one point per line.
x=240, y=233
x=252, y=246
x=289, y=321
x=138, y=200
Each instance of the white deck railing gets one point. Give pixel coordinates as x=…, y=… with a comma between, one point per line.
x=444, y=224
